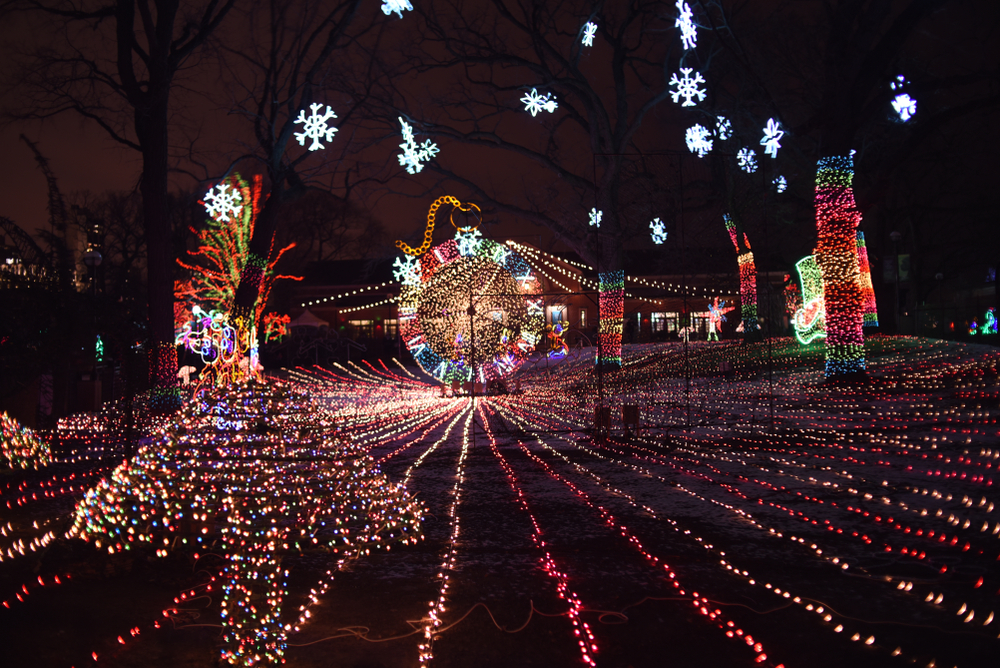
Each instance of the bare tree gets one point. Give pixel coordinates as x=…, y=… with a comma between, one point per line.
x=116, y=64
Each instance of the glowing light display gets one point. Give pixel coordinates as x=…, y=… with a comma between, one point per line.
x=837, y=220
x=589, y=32
x=242, y=461
x=748, y=276
x=471, y=313
x=221, y=204
x=275, y=327
x=772, y=138
x=780, y=184
x=20, y=447
x=414, y=156
x=596, y=217
x=406, y=270
x=809, y=321
x=717, y=311
x=429, y=230
x=535, y=102
x=557, y=347
x=315, y=126
x=723, y=128
x=746, y=158
x=658, y=231
x=687, y=87
x=685, y=21
x=611, y=303
x=390, y=6
x=904, y=105
x=870, y=313
x=699, y=140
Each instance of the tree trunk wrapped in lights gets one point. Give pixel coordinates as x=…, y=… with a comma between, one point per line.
x=270, y=468
x=870, y=314
x=748, y=279
x=837, y=220
x=612, y=312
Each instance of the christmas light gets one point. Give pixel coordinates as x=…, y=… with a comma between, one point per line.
x=535, y=102
x=390, y=6
x=658, y=231
x=689, y=32
x=611, y=303
x=870, y=313
x=315, y=126
x=589, y=31
x=21, y=448
x=904, y=105
x=747, y=160
x=716, y=316
x=723, y=128
x=595, y=217
x=772, y=138
x=809, y=321
x=837, y=219
x=414, y=155
x=780, y=184
x=687, y=87
x=698, y=140
x=748, y=276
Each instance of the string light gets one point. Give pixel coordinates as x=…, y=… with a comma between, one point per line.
x=870, y=313
x=748, y=276
x=611, y=303
x=20, y=446
x=809, y=320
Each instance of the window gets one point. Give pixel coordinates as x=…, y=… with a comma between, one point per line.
x=557, y=314
x=664, y=322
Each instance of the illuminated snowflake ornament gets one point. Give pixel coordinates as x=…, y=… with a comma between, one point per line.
x=535, y=102
x=407, y=270
x=390, y=6
x=689, y=34
x=315, y=127
x=723, y=128
x=468, y=242
x=595, y=217
x=687, y=87
x=771, y=138
x=780, y=184
x=220, y=205
x=589, y=31
x=414, y=155
x=904, y=105
x=658, y=231
x=699, y=140
x=747, y=160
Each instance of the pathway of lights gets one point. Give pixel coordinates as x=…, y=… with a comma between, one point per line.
x=20, y=447
x=900, y=475
x=468, y=308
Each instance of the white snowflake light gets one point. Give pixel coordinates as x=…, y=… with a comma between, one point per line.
x=595, y=217
x=780, y=184
x=771, y=138
x=687, y=87
x=747, y=160
x=589, y=31
x=689, y=35
x=699, y=140
x=535, y=102
x=390, y=6
x=406, y=270
x=315, y=127
x=904, y=105
x=414, y=155
x=468, y=242
x=659, y=231
x=723, y=128
x=221, y=204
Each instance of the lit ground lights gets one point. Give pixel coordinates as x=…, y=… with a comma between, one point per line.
x=743, y=521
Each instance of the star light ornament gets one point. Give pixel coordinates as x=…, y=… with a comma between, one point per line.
x=315, y=127
x=771, y=138
x=406, y=270
x=689, y=34
x=747, y=160
x=699, y=140
x=390, y=6
x=595, y=217
x=723, y=128
x=535, y=102
x=780, y=184
x=589, y=31
x=220, y=205
x=414, y=155
x=659, y=231
x=903, y=104
x=687, y=86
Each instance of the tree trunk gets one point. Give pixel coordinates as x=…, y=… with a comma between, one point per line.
x=837, y=219
x=748, y=279
x=611, y=304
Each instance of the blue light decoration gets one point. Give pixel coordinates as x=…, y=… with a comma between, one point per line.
x=723, y=128
x=589, y=31
x=771, y=141
x=689, y=32
x=904, y=105
x=687, y=87
x=658, y=231
x=699, y=140
x=414, y=155
x=398, y=6
x=315, y=126
x=596, y=217
x=535, y=102
x=747, y=160
x=780, y=184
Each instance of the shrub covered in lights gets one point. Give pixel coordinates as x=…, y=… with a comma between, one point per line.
x=20, y=447
x=254, y=471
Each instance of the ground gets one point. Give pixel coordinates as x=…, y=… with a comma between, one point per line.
x=763, y=517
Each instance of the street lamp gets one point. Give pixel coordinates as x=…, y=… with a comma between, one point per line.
x=896, y=236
